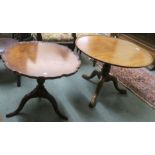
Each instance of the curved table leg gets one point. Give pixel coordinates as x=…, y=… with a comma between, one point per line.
x=22, y=103
x=115, y=82
x=104, y=76
x=92, y=75
x=54, y=104
x=97, y=91
x=39, y=91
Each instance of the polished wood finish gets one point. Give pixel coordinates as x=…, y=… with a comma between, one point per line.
x=22, y=37
x=103, y=76
x=143, y=44
x=41, y=60
x=114, y=51
x=6, y=43
x=39, y=91
x=111, y=51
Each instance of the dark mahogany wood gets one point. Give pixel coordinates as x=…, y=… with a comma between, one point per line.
x=22, y=37
x=39, y=91
x=41, y=61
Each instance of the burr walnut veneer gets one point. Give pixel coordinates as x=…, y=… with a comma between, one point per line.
x=41, y=60
x=111, y=51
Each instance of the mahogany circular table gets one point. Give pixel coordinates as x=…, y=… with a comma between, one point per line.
x=6, y=43
x=41, y=61
x=111, y=51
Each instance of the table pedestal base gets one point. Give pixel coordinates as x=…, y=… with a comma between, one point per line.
x=103, y=76
x=39, y=91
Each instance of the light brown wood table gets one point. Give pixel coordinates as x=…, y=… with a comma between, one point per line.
x=111, y=51
x=41, y=61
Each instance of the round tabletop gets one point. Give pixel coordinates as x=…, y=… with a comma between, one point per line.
x=41, y=59
x=114, y=51
x=6, y=43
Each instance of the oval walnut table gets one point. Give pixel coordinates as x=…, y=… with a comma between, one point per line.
x=111, y=51
x=41, y=61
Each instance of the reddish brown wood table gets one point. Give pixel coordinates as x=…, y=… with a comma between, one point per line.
x=41, y=61
x=6, y=43
x=111, y=51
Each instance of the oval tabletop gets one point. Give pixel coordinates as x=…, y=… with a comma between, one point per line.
x=41, y=59
x=114, y=51
x=6, y=43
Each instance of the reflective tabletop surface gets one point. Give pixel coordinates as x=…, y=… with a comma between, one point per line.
x=41, y=59
x=6, y=43
x=114, y=51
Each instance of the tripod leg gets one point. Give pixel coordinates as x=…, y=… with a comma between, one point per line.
x=93, y=74
x=39, y=91
x=22, y=103
x=54, y=104
x=97, y=91
x=115, y=82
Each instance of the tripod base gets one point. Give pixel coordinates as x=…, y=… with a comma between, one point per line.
x=41, y=92
x=103, y=76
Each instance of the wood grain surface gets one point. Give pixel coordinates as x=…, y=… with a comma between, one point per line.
x=6, y=43
x=114, y=51
x=41, y=59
